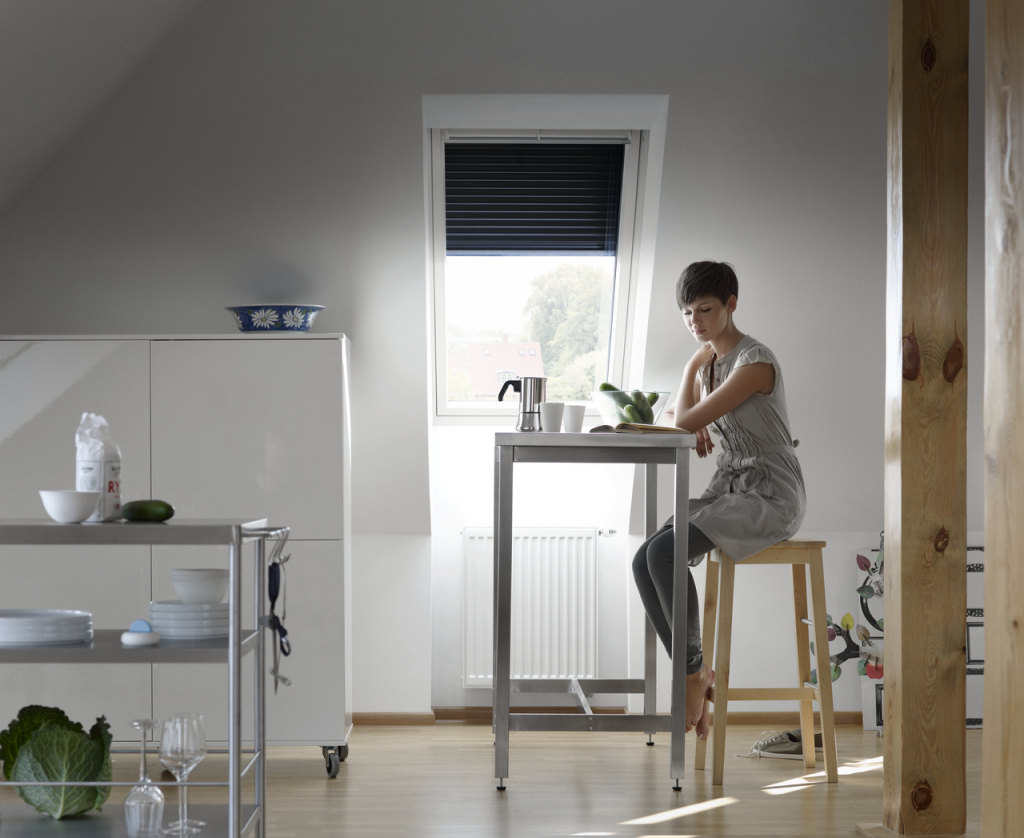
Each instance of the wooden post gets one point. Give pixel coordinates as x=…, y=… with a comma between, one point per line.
x=1002, y=784
x=926, y=420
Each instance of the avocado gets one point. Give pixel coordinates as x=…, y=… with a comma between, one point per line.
x=147, y=510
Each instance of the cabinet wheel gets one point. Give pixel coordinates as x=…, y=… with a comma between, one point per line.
x=333, y=763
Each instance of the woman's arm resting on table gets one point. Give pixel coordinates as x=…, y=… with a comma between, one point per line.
x=741, y=384
x=689, y=396
x=704, y=443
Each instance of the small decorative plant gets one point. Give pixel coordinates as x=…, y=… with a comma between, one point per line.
x=872, y=590
x=868, y=655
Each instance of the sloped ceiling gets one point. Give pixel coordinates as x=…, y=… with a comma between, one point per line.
x=59, y=61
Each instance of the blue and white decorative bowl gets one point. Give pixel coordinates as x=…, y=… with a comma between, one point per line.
x=289, y=318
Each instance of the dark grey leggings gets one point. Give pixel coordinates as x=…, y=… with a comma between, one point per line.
x=653, y=570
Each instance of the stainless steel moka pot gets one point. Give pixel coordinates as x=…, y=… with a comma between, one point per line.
x=531, y=390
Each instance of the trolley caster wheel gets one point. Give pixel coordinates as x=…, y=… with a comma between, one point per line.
x=333, y=764
x=333, y=757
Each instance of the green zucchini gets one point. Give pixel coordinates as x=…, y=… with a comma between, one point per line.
x=644, y=406
x=147, y=510
x=632, y=414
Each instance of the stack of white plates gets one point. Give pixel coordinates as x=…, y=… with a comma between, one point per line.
x=44, y=627
x=176, y=620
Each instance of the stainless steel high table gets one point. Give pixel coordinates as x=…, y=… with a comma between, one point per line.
x=648, y=449
x=235, y=819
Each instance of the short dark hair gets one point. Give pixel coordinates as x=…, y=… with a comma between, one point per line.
x=707, y=279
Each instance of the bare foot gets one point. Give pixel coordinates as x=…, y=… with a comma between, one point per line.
x=696, y=692
x=703, y=726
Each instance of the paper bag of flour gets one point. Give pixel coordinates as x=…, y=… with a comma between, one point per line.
x=98, y=466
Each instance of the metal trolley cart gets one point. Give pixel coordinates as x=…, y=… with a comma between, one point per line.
x=235, y=819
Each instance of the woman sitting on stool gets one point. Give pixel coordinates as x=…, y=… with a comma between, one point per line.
x=732, y=387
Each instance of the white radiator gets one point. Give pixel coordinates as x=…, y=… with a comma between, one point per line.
x=554, y=604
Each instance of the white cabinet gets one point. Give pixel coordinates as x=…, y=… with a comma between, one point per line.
x=229, y=426
x=253, y=424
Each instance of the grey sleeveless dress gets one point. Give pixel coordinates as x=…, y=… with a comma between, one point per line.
x=756, y=496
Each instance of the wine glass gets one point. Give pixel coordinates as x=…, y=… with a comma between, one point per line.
x=144, y=805
x=182, y=748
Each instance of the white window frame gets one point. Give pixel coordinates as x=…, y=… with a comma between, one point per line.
x=641, y=120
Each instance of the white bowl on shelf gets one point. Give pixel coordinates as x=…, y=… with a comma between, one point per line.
x=200, y=586
x=67, y=506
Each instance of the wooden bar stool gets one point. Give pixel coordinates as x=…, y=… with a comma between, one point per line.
x=718, y=598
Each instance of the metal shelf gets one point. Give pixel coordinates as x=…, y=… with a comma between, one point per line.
x=106, y=647
x=22, y=821
x=181, y=532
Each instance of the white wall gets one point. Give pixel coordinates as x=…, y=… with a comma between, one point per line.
x=271, y=151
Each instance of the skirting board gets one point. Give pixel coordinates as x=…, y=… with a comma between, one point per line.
x=779, y=720
x=411, y=719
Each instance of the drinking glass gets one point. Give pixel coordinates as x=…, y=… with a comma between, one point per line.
x=182, y=748
x=144, y=805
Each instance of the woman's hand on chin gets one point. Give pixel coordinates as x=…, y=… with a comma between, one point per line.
x=705, y=352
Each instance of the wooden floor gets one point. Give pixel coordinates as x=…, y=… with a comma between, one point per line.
x=436, y=781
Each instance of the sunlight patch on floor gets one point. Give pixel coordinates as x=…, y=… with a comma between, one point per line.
x=682, y=812
x=819, y=777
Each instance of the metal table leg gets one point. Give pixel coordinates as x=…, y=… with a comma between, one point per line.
x=650, y=636
x=260, y=713
x=235, y=684
x=502, y=613
x=494, y=591
x=679, y=616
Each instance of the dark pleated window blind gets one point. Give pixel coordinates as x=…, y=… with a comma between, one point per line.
x=523, y=198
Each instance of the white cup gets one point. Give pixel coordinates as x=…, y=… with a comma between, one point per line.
x=572, y=418
x=551, y=417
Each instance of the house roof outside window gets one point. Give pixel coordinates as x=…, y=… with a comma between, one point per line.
x=489, y=362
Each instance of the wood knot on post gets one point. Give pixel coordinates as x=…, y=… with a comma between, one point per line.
x=928, y=55
x=954, y=361
x=942, y=541
x=911, y=357
x=921, y=796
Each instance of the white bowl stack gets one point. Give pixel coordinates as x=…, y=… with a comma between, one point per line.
x=44, y=627
x=175, y=620
x=199, y=614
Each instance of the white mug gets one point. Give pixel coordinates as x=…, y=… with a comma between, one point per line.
x=551, y=416
x=572, y=418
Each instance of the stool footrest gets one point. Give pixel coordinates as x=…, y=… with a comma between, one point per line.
x=772, y=694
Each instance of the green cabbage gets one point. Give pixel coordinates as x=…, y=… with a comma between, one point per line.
x=44, y=745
